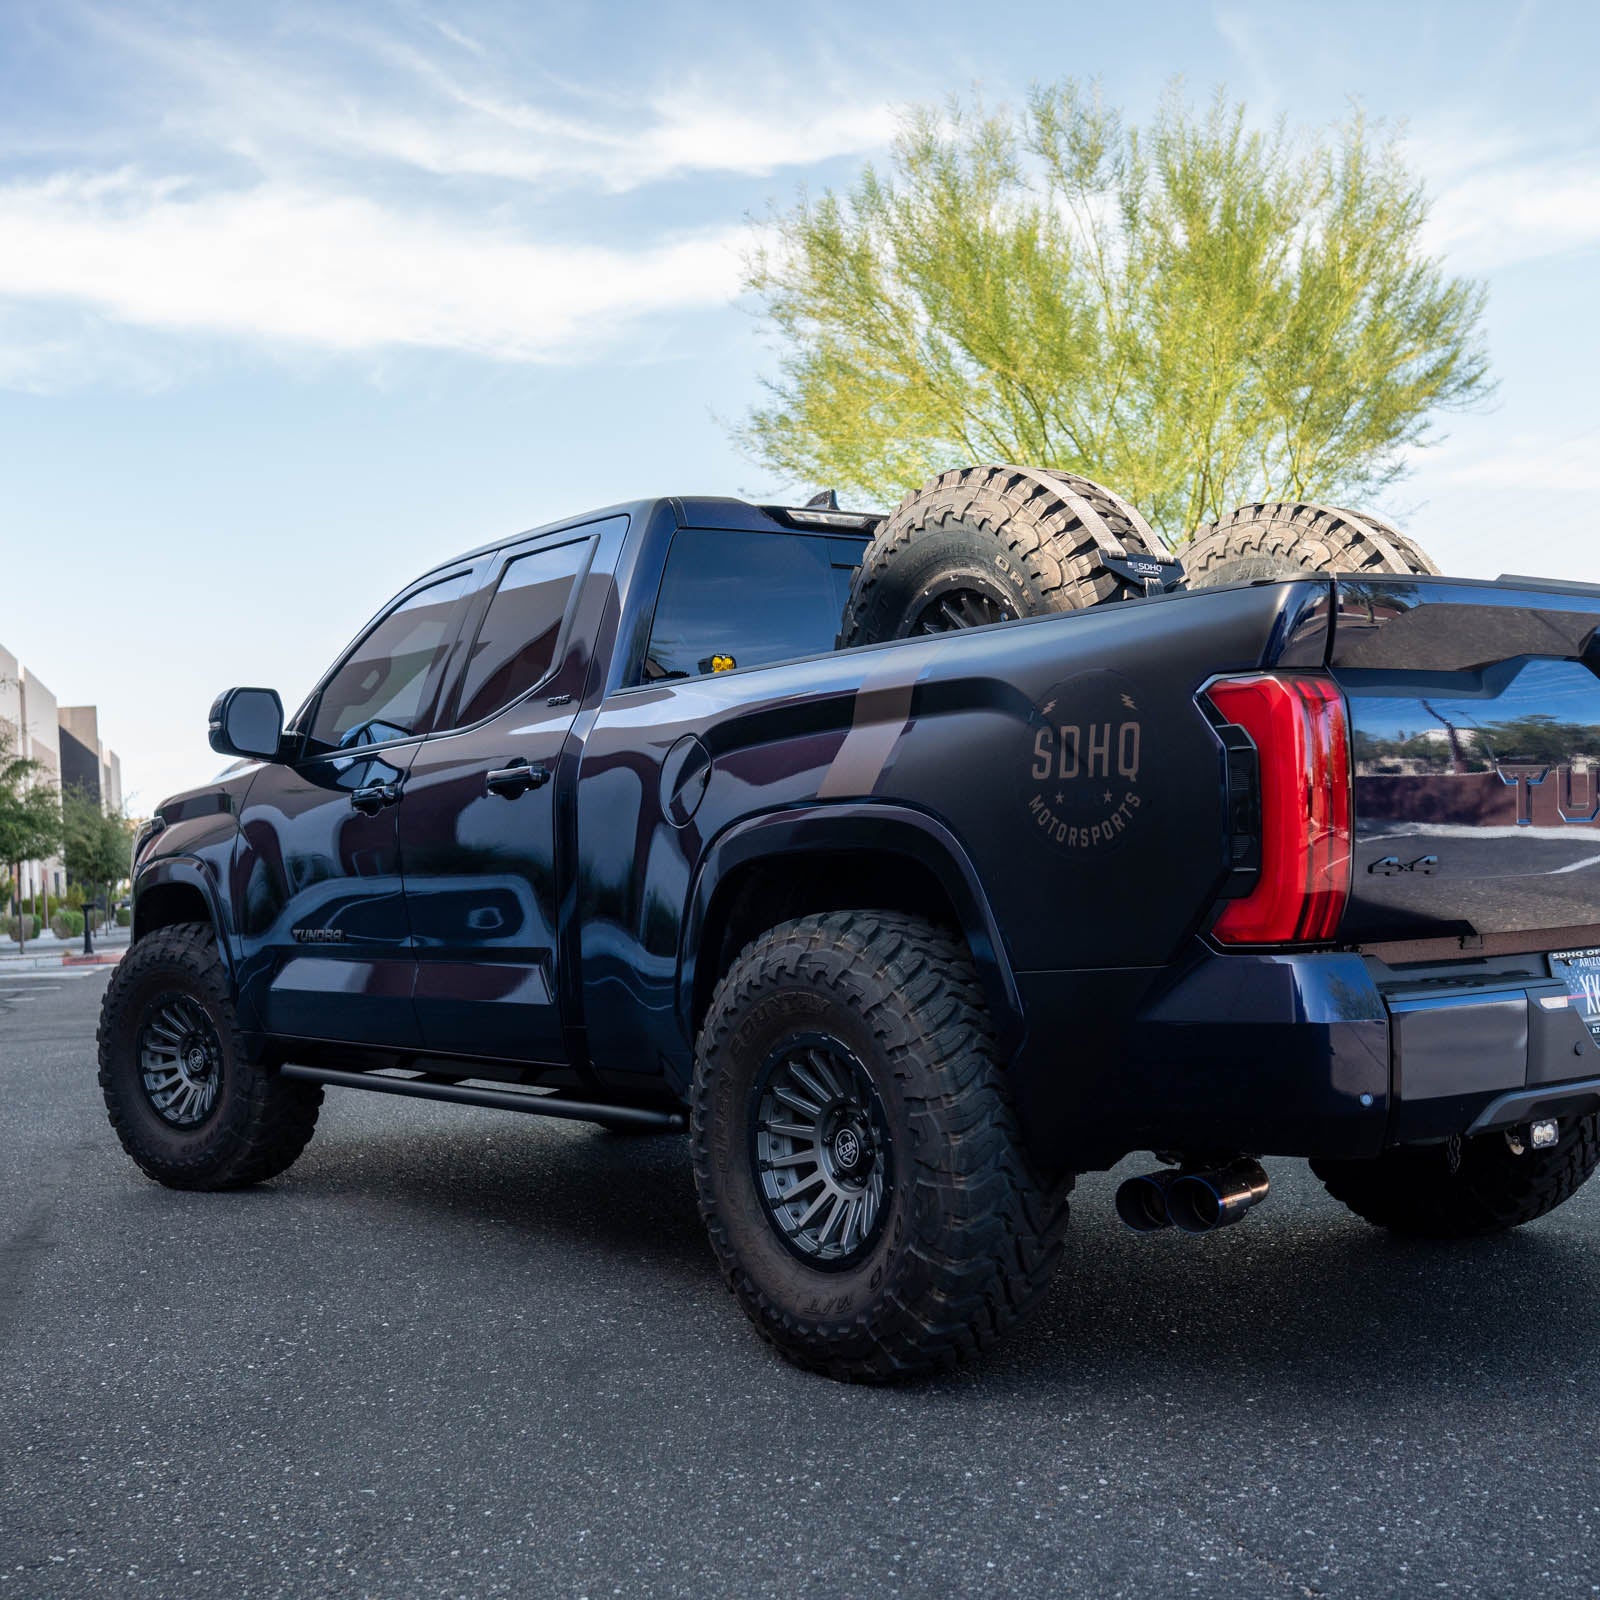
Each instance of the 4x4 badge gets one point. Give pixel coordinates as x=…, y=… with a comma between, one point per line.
x=1390, y=866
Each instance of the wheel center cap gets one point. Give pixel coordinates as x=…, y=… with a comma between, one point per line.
x=847, y=1151
x=196, y=1059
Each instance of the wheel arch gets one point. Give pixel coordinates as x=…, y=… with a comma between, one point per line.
x=172, y=890
x=869, y=856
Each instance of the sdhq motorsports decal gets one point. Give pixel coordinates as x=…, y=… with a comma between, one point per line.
x=1085, y=751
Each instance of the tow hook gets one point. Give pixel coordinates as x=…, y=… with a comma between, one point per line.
x=1193, y=1200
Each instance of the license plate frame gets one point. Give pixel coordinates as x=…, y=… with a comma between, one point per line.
x=1579, y=970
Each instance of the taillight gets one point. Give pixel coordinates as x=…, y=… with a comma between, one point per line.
x=1302, y=737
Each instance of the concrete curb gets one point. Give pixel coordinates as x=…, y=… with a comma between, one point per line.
x=54, y=960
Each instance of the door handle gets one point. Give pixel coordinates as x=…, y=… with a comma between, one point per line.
x=371, y=798
x=515, y=779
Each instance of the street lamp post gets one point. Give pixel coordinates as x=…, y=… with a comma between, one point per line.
x=88, y=926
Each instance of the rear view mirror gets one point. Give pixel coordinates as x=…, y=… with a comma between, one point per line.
x=247, y=722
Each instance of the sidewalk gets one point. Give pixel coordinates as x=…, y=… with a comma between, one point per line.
x=47, y=951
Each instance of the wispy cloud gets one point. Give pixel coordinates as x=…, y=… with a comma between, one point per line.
x=1542, y=464
x=331, y=271
x=370, y=95
x=1523, y=208
x=1501, y=197
x=330, y=185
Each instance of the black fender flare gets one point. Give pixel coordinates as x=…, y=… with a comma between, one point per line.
x=191, y=873
x=875, y=826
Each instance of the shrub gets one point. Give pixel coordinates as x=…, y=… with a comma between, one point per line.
x=23, y=927
x=67, y=924
x=124, y=916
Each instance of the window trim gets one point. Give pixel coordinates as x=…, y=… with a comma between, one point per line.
x=427, y=708
x=449, y=701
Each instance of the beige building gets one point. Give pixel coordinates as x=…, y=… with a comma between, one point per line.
x=65, y=741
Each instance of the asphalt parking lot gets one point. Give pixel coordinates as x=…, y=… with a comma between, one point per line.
x=456, y=1353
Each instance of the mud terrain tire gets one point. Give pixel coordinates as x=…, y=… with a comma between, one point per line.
x=965, y=1235
x=1285, y=540
x=987, y=544
x=253, y=1123
x=1478, y=1187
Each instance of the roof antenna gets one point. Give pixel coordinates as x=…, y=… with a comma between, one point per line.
x=826, y=500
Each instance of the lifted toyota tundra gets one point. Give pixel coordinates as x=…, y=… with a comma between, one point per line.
x=606, y=821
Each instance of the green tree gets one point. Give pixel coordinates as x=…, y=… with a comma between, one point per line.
x=30, y=811
x=1198, y=313
x=95, y=844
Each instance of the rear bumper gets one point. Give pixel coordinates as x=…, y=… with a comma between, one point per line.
x=1324, y=1054
x=1484, y=1055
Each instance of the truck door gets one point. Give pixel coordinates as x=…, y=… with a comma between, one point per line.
x=327, y=948
x=479, y=828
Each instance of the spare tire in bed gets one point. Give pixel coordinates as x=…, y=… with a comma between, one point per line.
x=1285, y=539
x=989, y=544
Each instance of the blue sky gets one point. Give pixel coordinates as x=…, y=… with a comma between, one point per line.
x=295, y=301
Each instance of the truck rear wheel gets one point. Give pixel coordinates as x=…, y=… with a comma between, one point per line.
x=187, y=1105
x=857, y=1159
x=1287, y=540
x=990, y=544
x=1466, y=1188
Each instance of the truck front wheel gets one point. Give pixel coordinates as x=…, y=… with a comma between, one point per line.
x=1465, y=1188
x=188, y=1106
x=856, y=1155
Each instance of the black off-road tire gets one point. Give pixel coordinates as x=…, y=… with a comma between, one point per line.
x=1465, y=1189
x=987, y=544
x=1285, y=540
x=969, y=1232
x=258, y=1122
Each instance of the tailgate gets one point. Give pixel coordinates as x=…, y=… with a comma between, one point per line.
x=1475, y=723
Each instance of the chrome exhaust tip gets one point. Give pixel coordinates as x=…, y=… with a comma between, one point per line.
x=1202, y=1202
x=1142, y=1201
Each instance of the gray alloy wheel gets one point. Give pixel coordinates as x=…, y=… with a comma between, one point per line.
x=822, y=1148
x=180, y=1059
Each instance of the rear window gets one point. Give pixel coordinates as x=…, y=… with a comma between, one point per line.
x=516, y=644
x=733, y=599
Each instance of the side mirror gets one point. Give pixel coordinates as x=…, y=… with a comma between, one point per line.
x=247, y=722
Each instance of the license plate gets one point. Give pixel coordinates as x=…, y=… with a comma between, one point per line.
x=1580, y=971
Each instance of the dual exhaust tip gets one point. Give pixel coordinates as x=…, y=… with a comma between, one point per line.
x=1192, y=1201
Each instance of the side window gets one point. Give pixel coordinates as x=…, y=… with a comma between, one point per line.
x=516, y=644
x=379, y=693
x=746, y=600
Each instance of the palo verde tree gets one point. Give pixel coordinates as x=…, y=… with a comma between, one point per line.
x=30, y=811
x=1199, y=313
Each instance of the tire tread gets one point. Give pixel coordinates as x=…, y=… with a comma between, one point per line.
x=280, y=1114
x=1000, y=1227
x=1299, y=535
x=1414, y=1191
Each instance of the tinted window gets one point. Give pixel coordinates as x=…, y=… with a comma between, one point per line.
x=748, y=599
x=516, y=645
x=378, y=693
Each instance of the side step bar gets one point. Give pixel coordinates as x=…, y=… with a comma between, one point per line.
x=539, y=1105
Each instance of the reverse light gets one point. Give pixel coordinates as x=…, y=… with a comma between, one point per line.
x=1301, y=732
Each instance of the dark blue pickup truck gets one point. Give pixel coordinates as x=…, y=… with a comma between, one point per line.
x=600, y=822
